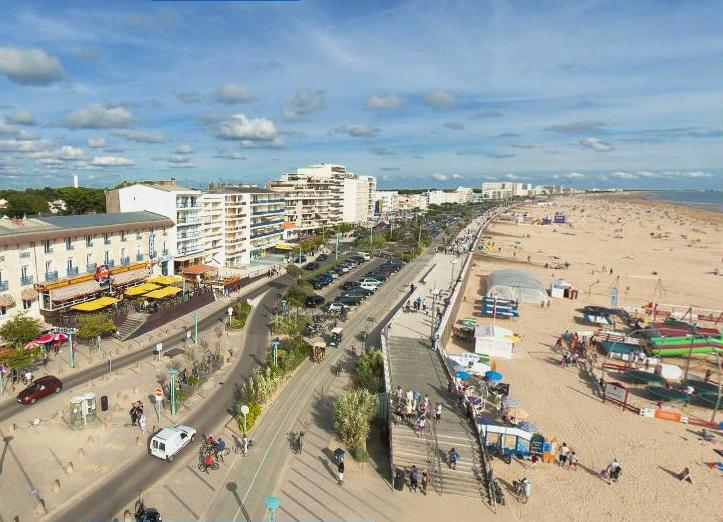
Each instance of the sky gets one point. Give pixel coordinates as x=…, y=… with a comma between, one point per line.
x=418, y=93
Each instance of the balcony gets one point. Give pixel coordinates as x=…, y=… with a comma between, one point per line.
x=264, y=212
x=48, y=250
x=110, y=263
x=90, y=267
x=264, y=234
x=24, y=255
x=27, y=280
x=123, y=239
x=106, y=241
x=73, y=271
x=266, y=223
x=268, y=201
x=89, y=244
x=4, y=285
x=51, y=276
x=125, y=260
x=165, y=251
x=139, y=257
x=188, y=222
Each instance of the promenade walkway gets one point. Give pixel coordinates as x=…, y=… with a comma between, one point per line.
x=414, y=365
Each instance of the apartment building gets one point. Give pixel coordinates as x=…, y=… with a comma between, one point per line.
x=185, y=243
x=387, y=202
x=503, y=190
x=48, y=264
x=322, y=196
x=411, y=202
x=240, y=223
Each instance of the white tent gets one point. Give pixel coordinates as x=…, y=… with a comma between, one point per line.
x=494, y=341
x=516, y=285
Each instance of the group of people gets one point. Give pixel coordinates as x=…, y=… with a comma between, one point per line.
x=567, y=457
x=138, y=418
x=411, y=403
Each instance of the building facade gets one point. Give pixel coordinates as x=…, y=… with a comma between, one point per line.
x=413, y=202
x=387, y=202
x=185, y=242
x=48, y=264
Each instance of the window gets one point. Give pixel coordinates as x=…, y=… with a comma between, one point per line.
x=68, y=243
x=138, y=233
x=89, y=241
x=88, y=259
x=47, y=246
x=106, y=239
x=70, y=264
x=48, y=266
x=123, y=252
x=107, y=257
x=27, y=305
x=123, y=235
x=24, y=272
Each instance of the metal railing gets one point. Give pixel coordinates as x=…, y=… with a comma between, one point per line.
x=125, y=260
x=73, y=271
x=139, y=257
x=90, y=267
x=28, y=280
x=3, y=285
x=51, y=276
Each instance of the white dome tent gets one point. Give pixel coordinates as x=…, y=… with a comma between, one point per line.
x=516, y=285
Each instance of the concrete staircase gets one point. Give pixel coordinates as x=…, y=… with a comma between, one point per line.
x=414, y=366
x=132, y=323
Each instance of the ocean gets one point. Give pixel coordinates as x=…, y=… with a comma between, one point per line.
x=707, y=199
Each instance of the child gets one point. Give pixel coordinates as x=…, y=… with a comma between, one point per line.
x=573, y=461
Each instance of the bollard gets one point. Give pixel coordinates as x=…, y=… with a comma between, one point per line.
x=56, y=486
x=139, y=441
x=68, y=468
x=81, y=452
x=90, y=441
x=39, y=509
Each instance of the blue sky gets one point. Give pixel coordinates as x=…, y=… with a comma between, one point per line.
x=418, y=93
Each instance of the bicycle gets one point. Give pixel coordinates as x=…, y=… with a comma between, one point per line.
x=520, y=490
x=238, y=446
x=202, y=467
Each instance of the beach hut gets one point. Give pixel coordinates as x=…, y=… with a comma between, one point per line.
x=494, y=341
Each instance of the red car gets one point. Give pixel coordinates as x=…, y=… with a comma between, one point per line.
x=40, y=388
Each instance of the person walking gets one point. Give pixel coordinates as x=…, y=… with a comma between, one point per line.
x=438, y=412
x=613, y=470
x=142, y=423
x=573, y=461
x=413, y=478
x=340, y=470
x=453, y=458
x=425, y=481
x=684, y=476
x=564, y=452
x=244, y=444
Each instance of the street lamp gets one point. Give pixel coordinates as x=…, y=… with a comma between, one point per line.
x=172, y=372
x=272, y=504
x=435, y=293
x=195, y=327
x=244, y=411
x=454, y=262
x=275, y=348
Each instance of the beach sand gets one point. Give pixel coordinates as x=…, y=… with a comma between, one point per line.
x=669, y=247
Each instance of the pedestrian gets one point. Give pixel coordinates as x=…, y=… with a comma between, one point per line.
x=244, y=444
x=614, y=469
x=420, y=426
x=134, y=413
x=564, y=452
x=425, y=481
x=207, y=462
x=684, y=476
x=438, y=413
x=340, y=470
x=453, y=458
x=573, y=461
x=142, y=423
x=413, y=478
x=220, y=447
x=398, y=393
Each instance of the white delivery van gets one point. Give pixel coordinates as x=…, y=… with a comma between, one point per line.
x=364, y=255
x=169, y=441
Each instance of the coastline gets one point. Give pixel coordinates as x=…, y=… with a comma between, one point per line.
x=700, y=212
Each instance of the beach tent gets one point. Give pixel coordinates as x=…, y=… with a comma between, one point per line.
x=516, y=284
x=494, y=341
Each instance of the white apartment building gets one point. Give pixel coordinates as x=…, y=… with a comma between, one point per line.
x=322, y=196
x=411, y=202
x=240, y=223
x=387, y=202
x=185, y=244
x=441, y=197
x=506, y=189
x=48, y=264
x=464, y=195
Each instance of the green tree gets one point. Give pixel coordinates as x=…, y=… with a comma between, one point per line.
x=370, y=370
x=294, y=270
x=353, y=411
x=82, y=200
x=18, y=358
x=23, y=204
x=95, y=325
x=20, y=330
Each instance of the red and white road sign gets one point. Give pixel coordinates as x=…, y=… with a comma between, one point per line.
x=158, y=392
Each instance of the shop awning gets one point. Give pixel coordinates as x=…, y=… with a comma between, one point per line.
x=28, y=294
x=197, y=269
x=284, y=246
x=162, y=293
x=6, y=300
x=141, y=289
x=129, y=276
x=78, y=290
x=164, y=279
x=95, y=304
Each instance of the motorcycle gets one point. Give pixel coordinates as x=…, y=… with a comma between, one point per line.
x=144, y=514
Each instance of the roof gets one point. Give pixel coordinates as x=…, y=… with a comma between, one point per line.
x=514, y=278
x=99, y=220
x=197, y=269
x=168, y=186
x=241, y=190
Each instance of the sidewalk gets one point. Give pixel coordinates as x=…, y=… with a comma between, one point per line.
x=84, y=359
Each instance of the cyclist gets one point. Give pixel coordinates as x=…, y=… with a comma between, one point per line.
x=526, y=487
x=220, y=446
x=208, y=461
x=244, y=444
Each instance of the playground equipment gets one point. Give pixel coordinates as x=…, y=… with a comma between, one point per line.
x=690, y=344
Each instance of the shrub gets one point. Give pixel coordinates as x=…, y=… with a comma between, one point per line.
x=289, y=325
x=251, y=417
x=241, y=311
x=370, y=370
x=353, y=411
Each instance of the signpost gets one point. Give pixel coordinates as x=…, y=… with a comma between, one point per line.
x=244, y=411
x=158, y=395
x=275, y=348
x=70, y=332
x=617, y=393
x=159, y=349
x=172, y=372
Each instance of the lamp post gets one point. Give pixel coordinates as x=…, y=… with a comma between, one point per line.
x=454, y=262
x=172, y=372
x=244, y=411
x=272, y=504
x=274, y=350
x=435, y=293
x=195, y=327
x=336, y=253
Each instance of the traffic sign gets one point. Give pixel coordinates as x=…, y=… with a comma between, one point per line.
x=158, y=392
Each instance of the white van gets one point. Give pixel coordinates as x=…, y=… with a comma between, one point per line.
x=364, y=255
x=169, y=441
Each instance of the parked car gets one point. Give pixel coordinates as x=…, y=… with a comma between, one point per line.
x=370, y=281
x=381, y=276
x=40, y=387
x=322, y=257
x=312, y=266
x=358, y=292
x=348, y=285
x=349, y=301
x=300, y=259
x=318, y=284
x=313, y=300
x=334, y=306
x=169, y=441
x=327, y=277
x=364, y=255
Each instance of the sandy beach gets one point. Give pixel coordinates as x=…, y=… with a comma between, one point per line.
x=657, y=251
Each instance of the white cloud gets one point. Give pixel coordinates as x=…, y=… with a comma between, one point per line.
x=356, y=131
x=23, y=146
x=624, y=175
x=100, y=117
x=250, y=132
x=20, y=117
x=24, y=135
x=64, y=153
x=388, y=102
x=96, y=143
x=440, y=177
x=574, y=175
x=30, y=66
x=141, y=136
x=439, y=99
x=305, y=102
x=488, y=113
x=596, y=144
x=577, y=127
x=7, y=129
x=111, y=161
x=695, y=174
x=182, y=165
x=231, y=94
x=185, y=149
x=511, y=176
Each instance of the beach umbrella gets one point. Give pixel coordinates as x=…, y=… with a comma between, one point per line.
x=463, y=375
x=32, y=345
x=51, y=337
x=508, y=402
x=527, y=426
x=493, y=375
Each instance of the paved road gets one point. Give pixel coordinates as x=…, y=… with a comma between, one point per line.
x=142, y=471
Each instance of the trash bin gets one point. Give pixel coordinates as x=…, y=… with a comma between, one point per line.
x=399, y=480
x=104, y=403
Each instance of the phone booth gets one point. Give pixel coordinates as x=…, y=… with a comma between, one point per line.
x=82, y=409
